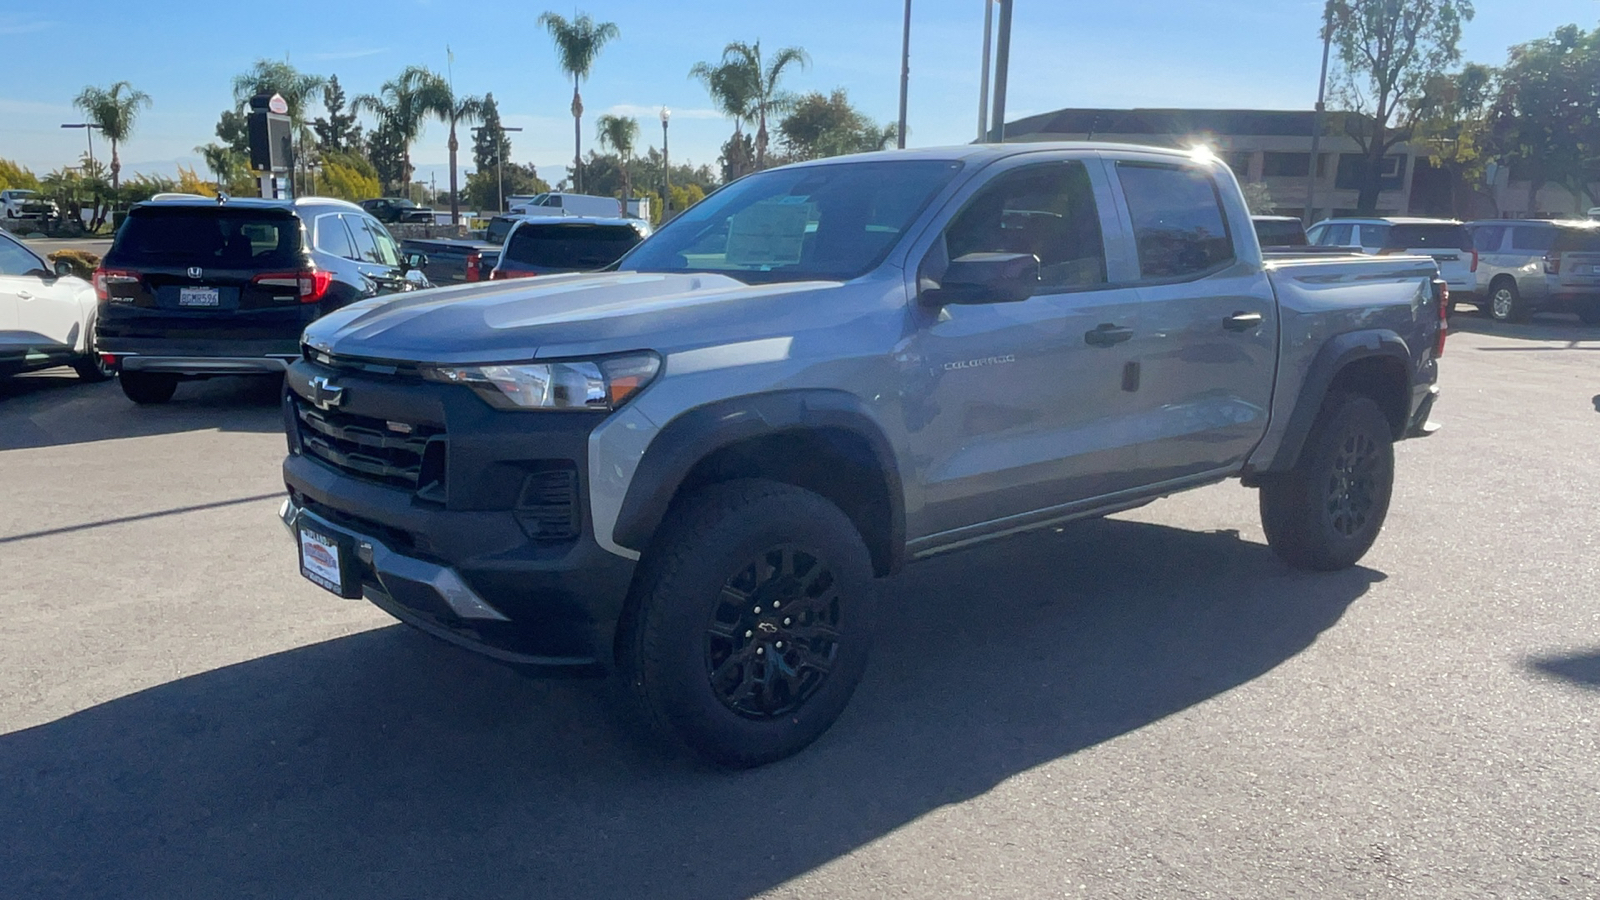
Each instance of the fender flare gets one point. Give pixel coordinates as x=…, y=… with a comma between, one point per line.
x=1335, y=356
x=697, y=433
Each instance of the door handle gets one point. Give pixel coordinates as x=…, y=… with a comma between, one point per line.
x=24, y=295
x=1242, y=321
x=1107, y=335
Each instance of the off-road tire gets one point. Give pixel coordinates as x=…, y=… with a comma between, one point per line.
x=1325, y=513
x=680, y=653
x=149, y=388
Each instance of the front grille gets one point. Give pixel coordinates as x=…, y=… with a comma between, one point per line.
x=391, y=453
x=385, y=367
x=548, y=506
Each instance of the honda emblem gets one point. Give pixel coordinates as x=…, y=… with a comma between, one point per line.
x=196, y=272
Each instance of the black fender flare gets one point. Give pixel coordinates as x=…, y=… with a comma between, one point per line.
x=1338, y=353
x=695, y=434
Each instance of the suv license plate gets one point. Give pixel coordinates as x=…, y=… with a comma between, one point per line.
x=324, y=561
x=198, y=297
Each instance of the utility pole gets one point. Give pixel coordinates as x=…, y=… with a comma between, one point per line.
x=983, y=86
x=666, y=167
x=1002, y=69
x=1321, y=112
x=905, y=77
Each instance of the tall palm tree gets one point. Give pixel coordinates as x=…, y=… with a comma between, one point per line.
x=114, y=110
x=397, y=108
x=769, y=100
x=578, y=42
x=733, y=88
x=297, y=89
x=620, y=133
x=435, y=97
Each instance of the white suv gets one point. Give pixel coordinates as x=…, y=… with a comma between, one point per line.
x=1446, y=240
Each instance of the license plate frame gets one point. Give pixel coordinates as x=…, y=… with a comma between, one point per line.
x=199, y=297
x=327, y=560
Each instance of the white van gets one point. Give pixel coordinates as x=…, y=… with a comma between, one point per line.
x=570, y=205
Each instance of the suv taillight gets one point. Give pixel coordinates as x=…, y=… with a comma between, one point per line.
x=310, y=285
x=1474, y=261
x=1443, y=291
x=104, y=278
x=1552, y=265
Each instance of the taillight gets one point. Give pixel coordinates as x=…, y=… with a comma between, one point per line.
x=1474, y=261
x=310, y=285
x=474, y=264
x=1552, y=265
x=1443, y=290
x=104, y=278
x=498, y=274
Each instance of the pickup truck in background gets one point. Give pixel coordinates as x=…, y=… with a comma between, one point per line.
x=396, y=210
x=19, y=203
x=692, y=468
x=453, y=261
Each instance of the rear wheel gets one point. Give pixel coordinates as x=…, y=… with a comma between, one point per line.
x=149, y=388
x=751, y=625
x=1325, y=513
x=1505, y=302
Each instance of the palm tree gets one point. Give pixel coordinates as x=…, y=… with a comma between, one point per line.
x=733, y=88
x=297, y=88
x=620, y=133
x=397, y=108
x=768, y=100
x=114, y=110
x=434, y=96
x=578, y=42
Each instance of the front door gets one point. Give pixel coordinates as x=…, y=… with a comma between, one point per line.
x=36, y=305
x=1015, y=408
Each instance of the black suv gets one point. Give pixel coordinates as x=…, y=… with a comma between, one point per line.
x=195, y=288
x=397, y=209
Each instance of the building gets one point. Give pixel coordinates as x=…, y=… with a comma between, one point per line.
x=1267, y=147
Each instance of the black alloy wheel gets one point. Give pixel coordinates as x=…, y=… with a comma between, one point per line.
x=1352, y=484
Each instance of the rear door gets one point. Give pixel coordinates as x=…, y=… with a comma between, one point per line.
x=377, y=254
x=1208, y=319
x=1577, y=256
x=1446, y=242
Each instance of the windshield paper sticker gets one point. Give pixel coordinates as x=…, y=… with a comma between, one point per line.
x=768, y=234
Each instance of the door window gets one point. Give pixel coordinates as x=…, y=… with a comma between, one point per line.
x=14, y=260
x=1374, y=237
x=1178, y=222
x=366, y=248
x=1535, y=238
x=333, y=239
x=1487, y=238
x=388, y=253
x=1046, y=210
x=1338, y=236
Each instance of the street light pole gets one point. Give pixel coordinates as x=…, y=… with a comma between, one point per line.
x=666, y=166
x=1321, y=113
x=905, y=77
x=88, y=130
x=1002, y=71
x=983, y=86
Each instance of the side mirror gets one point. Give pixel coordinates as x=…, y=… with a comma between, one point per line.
x=417, y=280
x=63, y=268
x=416, y=260
x=987, y=278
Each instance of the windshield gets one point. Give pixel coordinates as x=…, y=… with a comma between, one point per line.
x=209, y=236
x=828, y=222
x=568, y=246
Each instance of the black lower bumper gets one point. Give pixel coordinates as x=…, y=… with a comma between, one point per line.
x=194, y=356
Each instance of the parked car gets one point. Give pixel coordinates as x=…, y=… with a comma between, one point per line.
x=500, y=226
x=570, y=205
x=1280, y=231
x=540, y=246
x=392, y=210
x=1445, y=240
x=451, y=261
x=1526, y=266
x=692, y=468
x=46, y=316
x=20, y=203
x=196, y=288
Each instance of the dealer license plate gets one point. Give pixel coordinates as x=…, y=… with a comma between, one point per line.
x=321, y=560
x=198, y=297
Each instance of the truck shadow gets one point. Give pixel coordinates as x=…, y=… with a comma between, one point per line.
x=1582, y=669
x=52, y=408
x=382, y=764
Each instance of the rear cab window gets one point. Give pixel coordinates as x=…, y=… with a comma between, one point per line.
x=1178, y=223
x=219, y=237
x=580, y=246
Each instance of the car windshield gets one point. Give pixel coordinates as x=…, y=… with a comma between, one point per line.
x=1428, y=237
x=1577, y=240
x=208, y=236
x=831, y=222
x=568, y=245
x=1275, y=233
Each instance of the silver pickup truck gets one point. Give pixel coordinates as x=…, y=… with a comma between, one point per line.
x=691, y=469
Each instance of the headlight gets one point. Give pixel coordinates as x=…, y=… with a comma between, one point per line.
x=572, y=384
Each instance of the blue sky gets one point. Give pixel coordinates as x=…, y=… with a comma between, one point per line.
x=1184, y=53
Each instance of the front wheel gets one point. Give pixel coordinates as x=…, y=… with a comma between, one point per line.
x=149, y=388
x=751, y=624
x=1326, y=512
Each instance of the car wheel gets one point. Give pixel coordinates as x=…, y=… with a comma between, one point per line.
x=751, y=625
x=1505, y=302
x=1589, y=313
x=1325, y=513
x=92, y=367
x=149, y=388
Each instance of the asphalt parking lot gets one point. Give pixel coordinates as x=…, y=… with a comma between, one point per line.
x=1146, y=706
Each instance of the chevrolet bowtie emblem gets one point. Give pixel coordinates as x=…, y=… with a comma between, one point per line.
x=325, y=395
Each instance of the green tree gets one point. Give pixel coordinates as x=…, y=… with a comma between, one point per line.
x=578, y=42
x=400, y=113
x=229, y=167
x=732, y=86
x=620, y=134
x=483, y=186
x=490, y=145
x=1454, y=123
x=1389, y=50
x=233, y=129
x=435, y=96
x=297, y=89
x=338, y=132
x=13, y=175
x=115, y=110
x=348, y=177
x=821, y=125
x=1547, y=114
x=769, y=99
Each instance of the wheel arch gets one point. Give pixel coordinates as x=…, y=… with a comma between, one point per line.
x=1375, y=364
x=821, y=440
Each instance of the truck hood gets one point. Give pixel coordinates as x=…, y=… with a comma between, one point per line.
x=548, y=316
